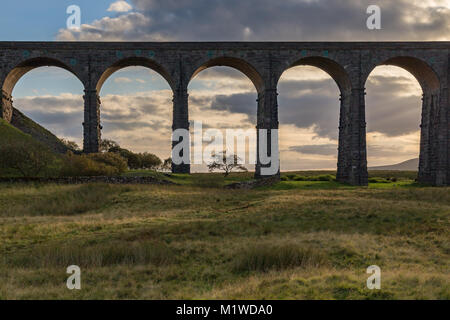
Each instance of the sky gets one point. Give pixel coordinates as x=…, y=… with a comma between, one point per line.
x=136, y=102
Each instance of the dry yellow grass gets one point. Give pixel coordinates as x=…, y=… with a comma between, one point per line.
x=170, y=242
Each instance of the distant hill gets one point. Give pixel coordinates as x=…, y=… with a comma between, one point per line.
x=409, y=165
x=39, y=133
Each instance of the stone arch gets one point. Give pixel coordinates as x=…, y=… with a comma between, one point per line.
x=134, y=61
x=343, y=81
x=430, y=85
x=242, y=66
x=17, y=72
x=24, y=67
x=236, y=63
x=421, y=70
x=93, y=101
x=331, y=67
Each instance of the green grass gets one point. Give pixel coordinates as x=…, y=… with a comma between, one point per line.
x=196, y=240
x=39, y=133
x=57, y=201
x=11, y=134
x=8, y=132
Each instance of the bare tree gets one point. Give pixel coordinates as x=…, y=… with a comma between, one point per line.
x=225, y=163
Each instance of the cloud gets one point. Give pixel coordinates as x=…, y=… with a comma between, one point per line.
x=388, y=109
x=130, y=26
x=65, y=103
x=122, y=80
x=237, y=103
x=319, y=149
x=392, y=106
x=62, y=115
x=263, y=20
x=120, y=6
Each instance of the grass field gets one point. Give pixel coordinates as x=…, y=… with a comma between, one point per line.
x=196, y=240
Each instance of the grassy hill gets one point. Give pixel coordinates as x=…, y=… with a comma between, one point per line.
x=25, y=124
x=11, y=136
x=9, y=132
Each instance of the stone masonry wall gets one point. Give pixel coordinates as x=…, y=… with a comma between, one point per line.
x=348, y=63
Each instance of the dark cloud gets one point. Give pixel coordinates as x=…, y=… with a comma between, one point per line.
x=237, y=103
x=320, y=149
x=63, y=124
x=310, y=103
x=62, y=103
x=199, y=101
x=62, y=115
x=300, y=20
x=137, y=104
x=133, y=125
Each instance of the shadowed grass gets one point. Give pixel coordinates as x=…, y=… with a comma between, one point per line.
x=97, y=255
x=54, y=200
x=266, y=257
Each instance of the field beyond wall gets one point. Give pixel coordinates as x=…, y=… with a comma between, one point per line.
x=294, y=240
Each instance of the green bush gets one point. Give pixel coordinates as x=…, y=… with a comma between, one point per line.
x=379, y=180
x=390, y=174
x=82, y=165
x=110, y=159
x=296, y=177
x=25, y=157
x=137, y=160
x=149, y=161
x=134, y=161
x=326, y=177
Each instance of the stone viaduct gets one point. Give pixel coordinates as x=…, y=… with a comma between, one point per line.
x=348, y=63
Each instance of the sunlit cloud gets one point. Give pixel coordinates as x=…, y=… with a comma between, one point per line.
x=120, y=6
